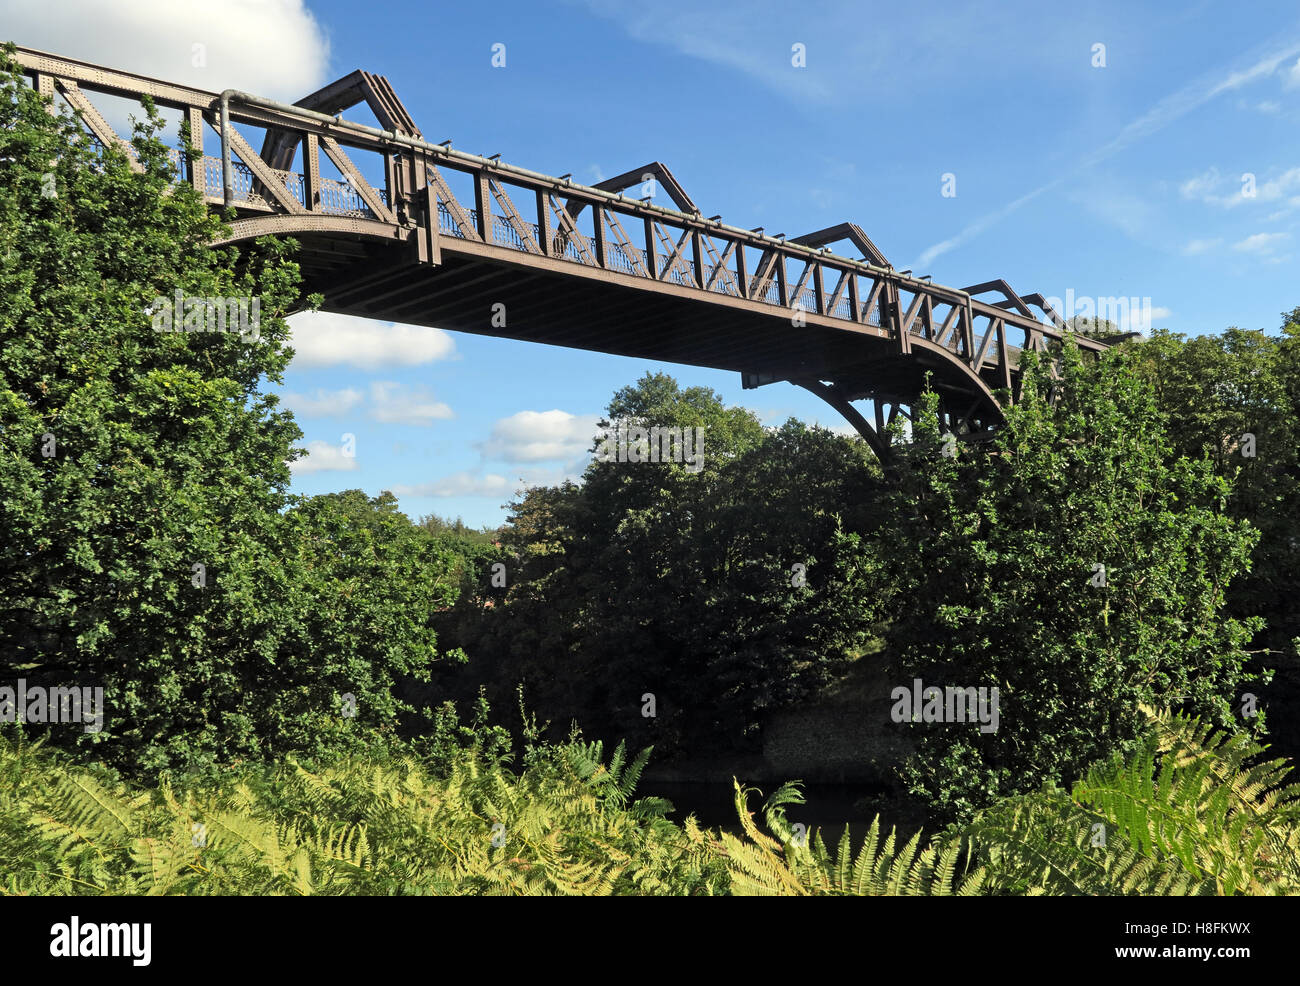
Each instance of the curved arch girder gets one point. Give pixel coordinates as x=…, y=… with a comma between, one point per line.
x=308, y=223
x=832, y=396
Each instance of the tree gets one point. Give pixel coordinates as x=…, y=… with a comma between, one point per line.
x=1234, y=399
x=680, y=607
x=145, y=473
x=1075, y=565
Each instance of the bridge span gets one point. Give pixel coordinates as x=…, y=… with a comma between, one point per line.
x=474, y=244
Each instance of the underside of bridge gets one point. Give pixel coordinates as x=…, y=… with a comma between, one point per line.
x=492, y=297
x=555, y=307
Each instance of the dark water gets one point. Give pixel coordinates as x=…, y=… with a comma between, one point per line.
x=827, y=806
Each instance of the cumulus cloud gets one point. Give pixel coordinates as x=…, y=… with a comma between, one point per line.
x=323, y=457
x=541, y=436
x=393, y=403
x=460, y=484
x=323, y=403
x=330, y=339
x=274, y=48
x=475, y=483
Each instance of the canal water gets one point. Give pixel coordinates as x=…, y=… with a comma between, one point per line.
x=827, y=806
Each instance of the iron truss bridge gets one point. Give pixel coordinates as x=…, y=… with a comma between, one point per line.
x=522, y=255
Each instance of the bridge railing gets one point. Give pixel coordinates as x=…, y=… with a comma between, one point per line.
x=594, y=231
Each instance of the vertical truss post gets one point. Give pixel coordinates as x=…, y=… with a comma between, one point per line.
x=1004, y=360
x=428, y=247
x=598, y=237
x=891, y=316
x=483, y=203
x=311, y=173
x=651, y=260
x=414, y=171
x=393, y=181
x=544, y=224
x=194, y=169
x=697, y=255
x=45, y=86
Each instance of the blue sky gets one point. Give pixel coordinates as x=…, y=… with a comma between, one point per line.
x=1125, y=179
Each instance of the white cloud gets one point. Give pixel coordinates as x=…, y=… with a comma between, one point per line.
x=1195, y=247
x=460, y=484
x=1291, y=79
x=1139, y=317
x=1201, y=186
x=1204, y=188
x=1269, y=106
x=540, y=436
x=980, y=225
x=1261, y=242
x=473, y=483
x=330, y=339
x=392, y=403
x=1260, y=70
x=837, y=427
x=1280, y=187
x=273, y=48
x=323, y=403
x=323, y=457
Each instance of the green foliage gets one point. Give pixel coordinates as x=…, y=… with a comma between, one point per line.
x=168, y=453
x=1188, y=813
x=1213, y=392
x=458, y=529
x=133, y=455
x=566, y=825
x=650, y=578
x=1193, y=811
x=992, y=560
x=1234, y=399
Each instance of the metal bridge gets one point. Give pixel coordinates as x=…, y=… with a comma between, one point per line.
x=523, y=255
